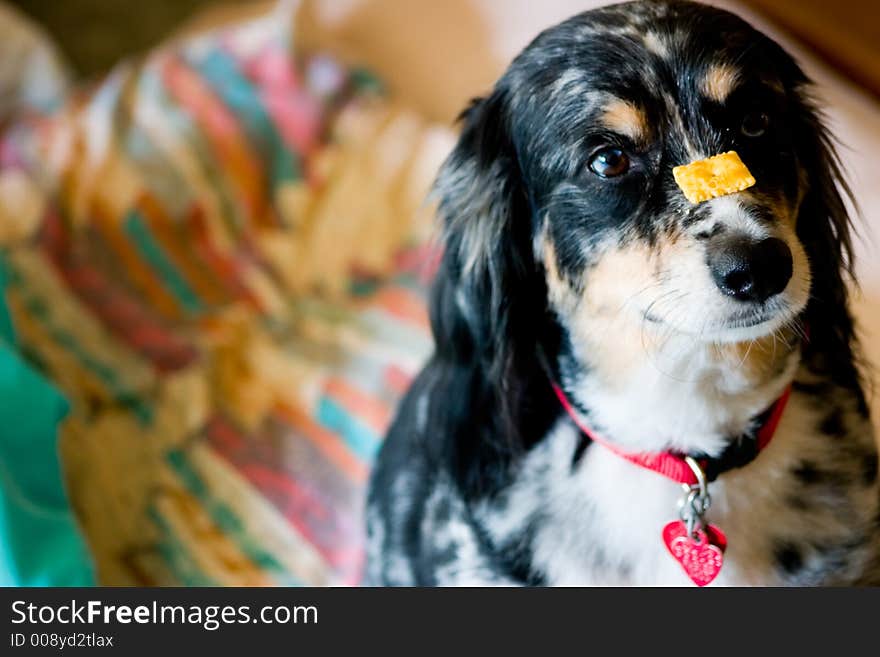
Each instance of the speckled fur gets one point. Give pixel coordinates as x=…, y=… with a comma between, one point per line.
x=483, y=479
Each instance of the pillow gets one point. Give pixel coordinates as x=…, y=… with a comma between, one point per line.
x=223, y=267
x=40, y=543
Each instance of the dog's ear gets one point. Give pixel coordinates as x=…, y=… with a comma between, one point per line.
x=487, y=301
x=825, y=228
x=483, y=207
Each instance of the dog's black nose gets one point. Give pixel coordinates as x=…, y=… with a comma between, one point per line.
x=751, y=271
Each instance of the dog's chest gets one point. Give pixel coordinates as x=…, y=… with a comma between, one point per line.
x=601, y=521
x=604, y=527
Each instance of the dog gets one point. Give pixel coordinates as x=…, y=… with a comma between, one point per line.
x=589, y=321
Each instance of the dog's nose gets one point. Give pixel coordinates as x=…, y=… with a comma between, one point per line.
x=751, y=271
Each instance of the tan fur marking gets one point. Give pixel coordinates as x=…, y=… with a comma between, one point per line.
x=609, y=286
x=761, y=359
x=719, y=81
x=608, y=324
x=627, y=119
x=560, y=293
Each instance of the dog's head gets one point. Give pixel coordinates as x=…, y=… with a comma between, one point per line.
x=560, y=205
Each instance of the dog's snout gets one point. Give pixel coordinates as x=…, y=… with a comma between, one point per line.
x=750, y=271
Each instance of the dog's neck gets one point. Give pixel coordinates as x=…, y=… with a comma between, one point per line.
x=649, y=390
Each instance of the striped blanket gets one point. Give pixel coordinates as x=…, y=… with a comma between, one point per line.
x=220, y=255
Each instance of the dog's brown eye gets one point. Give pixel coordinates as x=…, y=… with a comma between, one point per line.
x=609, y=162
x=755, y=124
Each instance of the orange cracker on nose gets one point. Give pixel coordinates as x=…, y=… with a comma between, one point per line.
x=715, y=176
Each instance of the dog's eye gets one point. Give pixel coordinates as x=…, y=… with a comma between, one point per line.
x=755, y=124
x=609, y=162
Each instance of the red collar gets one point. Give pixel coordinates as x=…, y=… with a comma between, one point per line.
x=673, y=466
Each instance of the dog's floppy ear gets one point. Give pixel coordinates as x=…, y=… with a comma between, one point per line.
x=484, y=212
x=487, y=302
x=824, y=227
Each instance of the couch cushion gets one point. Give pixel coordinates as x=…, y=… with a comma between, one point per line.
x=224, y=270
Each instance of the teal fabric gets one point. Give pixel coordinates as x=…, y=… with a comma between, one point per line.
x=40, y=543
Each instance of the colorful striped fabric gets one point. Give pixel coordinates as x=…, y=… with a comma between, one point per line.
x=226, y=277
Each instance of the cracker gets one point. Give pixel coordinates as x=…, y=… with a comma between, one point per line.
x=715, y=176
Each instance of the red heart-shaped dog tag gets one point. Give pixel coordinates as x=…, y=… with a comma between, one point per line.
x=701, y=556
